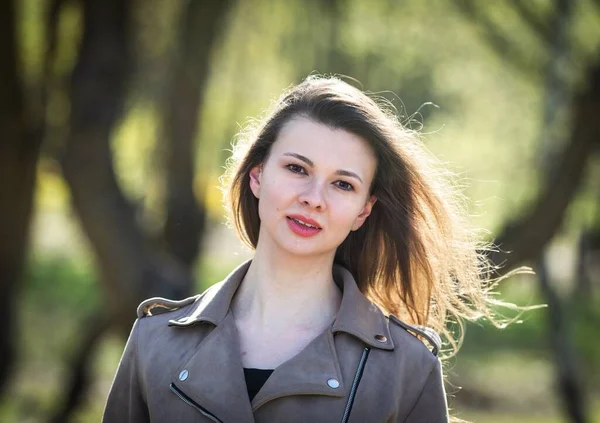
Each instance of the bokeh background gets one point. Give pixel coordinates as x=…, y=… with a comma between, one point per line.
x=116, y=117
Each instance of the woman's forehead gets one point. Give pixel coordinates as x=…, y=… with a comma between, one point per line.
x=324, y=145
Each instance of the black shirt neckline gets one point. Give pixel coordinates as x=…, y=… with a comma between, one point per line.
x=255, y=379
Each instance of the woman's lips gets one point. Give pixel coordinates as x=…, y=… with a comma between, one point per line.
x=304, y=219
x=300, y=229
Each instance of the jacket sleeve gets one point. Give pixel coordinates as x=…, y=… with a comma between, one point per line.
x=125, y=403
x=431, y=405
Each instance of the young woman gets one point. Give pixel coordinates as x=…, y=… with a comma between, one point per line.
x=360, y=244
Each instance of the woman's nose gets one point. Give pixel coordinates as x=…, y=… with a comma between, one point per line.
x=313, y=195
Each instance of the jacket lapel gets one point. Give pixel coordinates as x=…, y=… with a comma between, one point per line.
x=307, y=373
x=214, y=377
x=358, y=316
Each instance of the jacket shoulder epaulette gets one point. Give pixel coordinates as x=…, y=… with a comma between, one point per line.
x=146, y=306
x=420, y=331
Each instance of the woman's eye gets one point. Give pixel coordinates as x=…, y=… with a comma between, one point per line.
x=345, y=185
x=296, y=168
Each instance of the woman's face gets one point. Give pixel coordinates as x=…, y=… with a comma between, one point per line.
x=314, y=188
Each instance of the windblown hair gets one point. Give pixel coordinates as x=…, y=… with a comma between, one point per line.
x=416, y=255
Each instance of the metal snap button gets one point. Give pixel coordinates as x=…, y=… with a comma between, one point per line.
x=183, y=375
x=381, y=338
x=333, y=383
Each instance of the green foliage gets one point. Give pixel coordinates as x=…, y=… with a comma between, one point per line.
x=60, y=285
x=59, y=295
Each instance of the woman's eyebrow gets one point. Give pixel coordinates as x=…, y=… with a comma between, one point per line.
x=349, y=174
x=311, y=164
x=300, y=157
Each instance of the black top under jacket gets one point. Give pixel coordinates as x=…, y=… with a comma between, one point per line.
x=255, y=379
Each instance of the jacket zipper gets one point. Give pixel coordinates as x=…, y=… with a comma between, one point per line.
x=194, y=404
x=357, y=378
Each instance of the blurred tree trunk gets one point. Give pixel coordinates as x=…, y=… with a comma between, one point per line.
x=131, y=268
x=526, y=236
x=19, y=152
x=333, y=57
x=588, y=261
x=562, y=173
x=569, y=382
x=555, y=200
x=568, y=373
x=203, y=22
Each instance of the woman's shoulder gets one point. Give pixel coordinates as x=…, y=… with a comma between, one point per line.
x=160, y=305
x=157, y=317
x=420, y=339
x=169, y=309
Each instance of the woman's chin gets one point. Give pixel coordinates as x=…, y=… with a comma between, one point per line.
x=304, y=248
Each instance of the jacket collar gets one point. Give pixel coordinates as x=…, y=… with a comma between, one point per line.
x=372, y=327
x=213, y=376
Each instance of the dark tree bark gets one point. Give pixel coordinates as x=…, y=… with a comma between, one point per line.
x=333, y=58
x=563, y=174
x=526, y=237
x=131, y=269
x=589, y=254
x=78, y=385
x=563, y=171
x=203, y=22
x=568, y=376
x=19, y=152
x=569, y=382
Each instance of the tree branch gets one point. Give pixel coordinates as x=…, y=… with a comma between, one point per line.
x=538, y=26
x=520, y=61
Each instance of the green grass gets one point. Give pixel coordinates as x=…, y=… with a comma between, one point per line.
x=481, y=417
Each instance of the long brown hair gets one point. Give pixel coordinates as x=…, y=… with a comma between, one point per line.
x=416, y=255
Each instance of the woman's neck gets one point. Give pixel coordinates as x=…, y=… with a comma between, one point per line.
x=282, y=292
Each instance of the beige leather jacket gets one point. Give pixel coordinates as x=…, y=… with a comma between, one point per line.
x=184, y=365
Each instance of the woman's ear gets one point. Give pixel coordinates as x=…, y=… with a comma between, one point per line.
x=255, y=175
x=364, y=213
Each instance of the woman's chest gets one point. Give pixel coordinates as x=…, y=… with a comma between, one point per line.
x=270, y=350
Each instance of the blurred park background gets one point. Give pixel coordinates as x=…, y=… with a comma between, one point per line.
x=116, y=117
